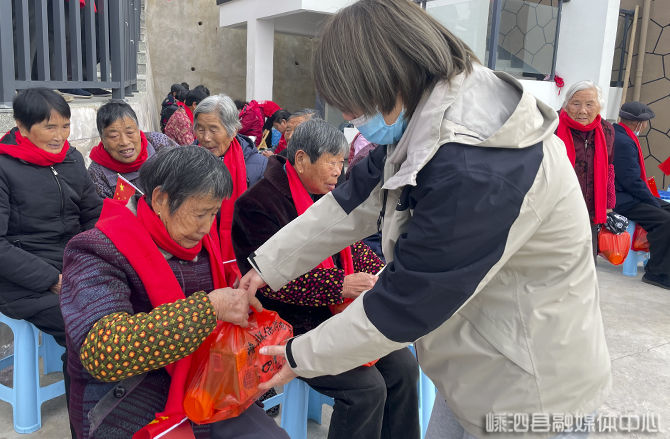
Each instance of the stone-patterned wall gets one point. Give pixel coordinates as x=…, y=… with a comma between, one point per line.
x=655, y=85
x=527, y=31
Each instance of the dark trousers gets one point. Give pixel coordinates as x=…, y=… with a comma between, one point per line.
x=253, y=423
x=656, y=221
x=374, y=402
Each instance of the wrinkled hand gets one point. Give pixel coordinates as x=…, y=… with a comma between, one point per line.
x=355, y=284
x=284, y=375
x=267, y=152
x=232, y=305
x=55, y=288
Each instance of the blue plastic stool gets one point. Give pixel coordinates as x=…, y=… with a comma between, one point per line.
x=634, y=258
x=26, y=396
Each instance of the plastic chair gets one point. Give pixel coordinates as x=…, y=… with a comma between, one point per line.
x=26, y=396
x=300, y=402
x=634, y=258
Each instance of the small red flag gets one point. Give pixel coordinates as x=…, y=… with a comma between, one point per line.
x=124, y=189
x=651, y=181
x=665, y=166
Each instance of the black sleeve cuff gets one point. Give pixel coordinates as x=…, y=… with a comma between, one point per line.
x=289, y=354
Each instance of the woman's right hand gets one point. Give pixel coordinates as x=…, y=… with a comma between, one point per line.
x=232, y=305
x=355, y=284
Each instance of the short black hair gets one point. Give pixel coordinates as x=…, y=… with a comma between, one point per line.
x=196, y=96
x=34, y=105
x=240, y=104
x=176, y=88
x=203, y=88
x=184, y=172
x=185, y=85
x=276, y=117
x=112, y=111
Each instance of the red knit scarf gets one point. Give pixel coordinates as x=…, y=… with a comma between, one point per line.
x=100, y=155
x=640, y=157
x=600, y=165
x=302, y=201
x=234, y=161
x=27, y=151
x=134, y=236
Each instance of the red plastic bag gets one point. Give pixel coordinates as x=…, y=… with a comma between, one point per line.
x=613, y=247
x=640, y=243
x=227, y=368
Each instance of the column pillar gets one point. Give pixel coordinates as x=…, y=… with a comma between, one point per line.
x=260, y=49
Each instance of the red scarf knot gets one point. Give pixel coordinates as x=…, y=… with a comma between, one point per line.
x=29, y=152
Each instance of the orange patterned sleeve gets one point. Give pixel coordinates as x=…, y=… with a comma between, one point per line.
x=121, y=345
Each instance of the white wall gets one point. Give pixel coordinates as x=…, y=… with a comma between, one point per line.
x=586, y=44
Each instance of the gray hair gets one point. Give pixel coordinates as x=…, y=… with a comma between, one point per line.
x=184, y=172
x=584, y=85
x=386, y=62
x=310, y=113
x=112, y=111
x=316, y=137
x=225, y=109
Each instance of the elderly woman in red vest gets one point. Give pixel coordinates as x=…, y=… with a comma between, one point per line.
x=589, y=141
x=141, y=292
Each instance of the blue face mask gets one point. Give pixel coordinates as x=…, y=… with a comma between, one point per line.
x=276, y=135
x=375, y=129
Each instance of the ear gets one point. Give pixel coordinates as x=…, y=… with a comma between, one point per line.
x=159, y=200
x=301, y=159
x=22, y=128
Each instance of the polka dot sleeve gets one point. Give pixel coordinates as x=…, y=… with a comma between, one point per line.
x=323, y=286
x=121, y=345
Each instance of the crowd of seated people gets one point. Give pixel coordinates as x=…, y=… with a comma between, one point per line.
x=75, y=273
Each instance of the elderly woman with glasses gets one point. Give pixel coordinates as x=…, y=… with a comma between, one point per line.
x=589, y=141
x=142, y=291
x=217, y=124
x=378, y=401
x=123, y=147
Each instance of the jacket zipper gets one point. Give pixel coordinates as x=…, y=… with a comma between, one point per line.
x=60, y=191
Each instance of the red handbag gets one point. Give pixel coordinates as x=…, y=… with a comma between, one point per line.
x=640, y=242
x=613, y=247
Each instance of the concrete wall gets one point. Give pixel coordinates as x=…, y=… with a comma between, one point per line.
x=655, y=90
x=186, y=43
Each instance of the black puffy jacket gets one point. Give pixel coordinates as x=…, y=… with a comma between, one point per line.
x=41, y=208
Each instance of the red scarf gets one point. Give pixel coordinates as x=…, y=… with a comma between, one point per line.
x=189, y=113
x=281, y=145
x=136, y=240
x=640, y=157
x=27, y=151
x=100, y=155
x=234, y=161
x=600, y=165
x=302, y=201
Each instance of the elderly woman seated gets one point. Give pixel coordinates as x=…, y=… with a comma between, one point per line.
x=370, y=401
x=217, y=124
x=141, y=292
x=46, y=198
x=589, y=141
x=123, y=147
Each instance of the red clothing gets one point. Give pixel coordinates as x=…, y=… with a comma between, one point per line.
x=179, y=128
x=584, y=156
x=252, y=119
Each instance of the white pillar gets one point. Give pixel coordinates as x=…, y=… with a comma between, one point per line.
x=586, y=42
x=260, y=49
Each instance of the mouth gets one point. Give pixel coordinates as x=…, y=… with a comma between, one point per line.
x=55, y=146
x=330, y=186
x=127, y=153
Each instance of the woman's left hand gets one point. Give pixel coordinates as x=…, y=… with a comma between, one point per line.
x=284, y=375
